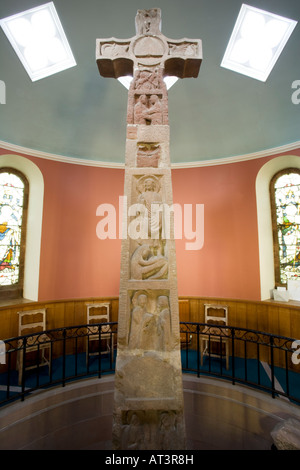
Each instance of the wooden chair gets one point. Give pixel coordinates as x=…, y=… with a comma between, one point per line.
x=30, y=322
x=99, y=313
x=217, y=317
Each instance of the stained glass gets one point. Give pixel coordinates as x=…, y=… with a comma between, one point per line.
x=287, y=199
x=11, y=214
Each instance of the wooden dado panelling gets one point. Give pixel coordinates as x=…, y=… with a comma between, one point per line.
x=59, y=314
x=268, y=316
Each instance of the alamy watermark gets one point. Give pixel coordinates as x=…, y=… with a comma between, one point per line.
x=2, y=92
x=296, y=354
x=296, y=95
x=152, y=221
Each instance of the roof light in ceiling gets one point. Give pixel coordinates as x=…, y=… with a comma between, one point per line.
x=39, y=41
x=257, y=41
x=126, y=80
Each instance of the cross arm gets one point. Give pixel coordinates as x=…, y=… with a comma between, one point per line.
x=184, y=58
x=113, y=57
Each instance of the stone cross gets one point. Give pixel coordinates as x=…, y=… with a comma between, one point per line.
x=148, y=399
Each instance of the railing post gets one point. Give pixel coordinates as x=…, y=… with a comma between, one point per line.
x=99, y=353
x=233, y=355
x=272, y=366
x=198, y=351
x=8, y=373
x=23, y=368
x=64, y=358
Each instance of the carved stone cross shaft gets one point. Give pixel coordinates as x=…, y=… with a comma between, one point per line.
x=148, y=402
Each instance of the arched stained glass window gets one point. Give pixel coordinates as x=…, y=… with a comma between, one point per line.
x=13, y=212
x=285, y=202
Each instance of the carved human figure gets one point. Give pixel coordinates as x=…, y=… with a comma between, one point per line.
x=148, y=21
x=150, y=333
x=151, y=198
x=133, y=436
x=141, y=110
x=137, y=316
x=164, y=322
x=168, y=435
x=154, y=113
x=146, y=265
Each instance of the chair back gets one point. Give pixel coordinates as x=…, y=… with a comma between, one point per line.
x=216, y=314
x=98, y=313
x=32, y=321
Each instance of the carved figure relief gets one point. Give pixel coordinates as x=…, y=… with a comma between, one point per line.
x=148, y=21
x=145, y=264
x=150, y=196
x=114, y=49
x=137, y=315
x=148, y=110
x=146, y=429
x=148, y=155
x=186, y=49
x=164, y=318
x=133, y=436
x=150, y=325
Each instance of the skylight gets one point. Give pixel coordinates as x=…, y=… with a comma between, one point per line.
x=257, y=41
x=126, y=80
x=39, y=41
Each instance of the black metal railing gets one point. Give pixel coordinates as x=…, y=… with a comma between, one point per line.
x=56, y=357
x=59, y=356
x=254, y=358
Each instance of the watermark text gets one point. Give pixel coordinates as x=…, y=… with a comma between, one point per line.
x=154, y=221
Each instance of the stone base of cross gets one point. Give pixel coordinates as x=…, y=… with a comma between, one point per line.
x=148, y=400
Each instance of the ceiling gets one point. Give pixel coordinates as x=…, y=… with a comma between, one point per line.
x=77, y=114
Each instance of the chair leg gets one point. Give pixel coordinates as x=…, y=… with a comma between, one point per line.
x=201, y=350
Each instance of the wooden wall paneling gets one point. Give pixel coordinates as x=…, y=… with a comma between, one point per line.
x=114, y=309
x=240, y=315
x=195, y=309
x=273, y=314
x=251, y=316
x=262, y=317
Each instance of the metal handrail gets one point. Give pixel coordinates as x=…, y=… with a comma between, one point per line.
x=257, y=359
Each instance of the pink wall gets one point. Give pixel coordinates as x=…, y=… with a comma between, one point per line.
x=228, y=263
x=75, y=263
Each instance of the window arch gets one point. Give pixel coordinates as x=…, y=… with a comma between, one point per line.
x=285, y=211
x=14, y=190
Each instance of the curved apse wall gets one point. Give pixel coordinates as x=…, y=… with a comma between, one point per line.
x=75, y=263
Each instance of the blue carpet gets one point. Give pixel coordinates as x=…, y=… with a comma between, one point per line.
x=242, y=370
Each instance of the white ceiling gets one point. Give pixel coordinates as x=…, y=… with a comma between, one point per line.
x=78, y=114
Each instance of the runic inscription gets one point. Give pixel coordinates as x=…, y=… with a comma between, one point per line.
x=148, y=400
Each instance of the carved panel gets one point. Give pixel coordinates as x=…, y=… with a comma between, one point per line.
x=150, y=429
x=150, y=321
x=186, y=48
x=148, y=109
x=148, y=155
x=114, y=49
x=148, y=21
